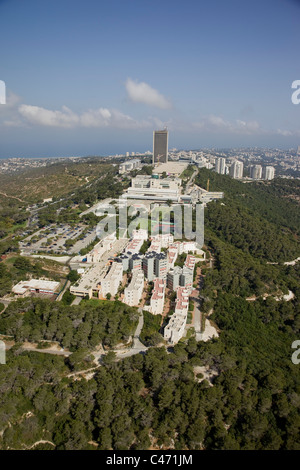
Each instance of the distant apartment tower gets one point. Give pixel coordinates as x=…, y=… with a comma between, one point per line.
x=236, y=169
x=160, y=146
x=268, y=173
x=256, y=172
x=298, y=150
x=220, y=165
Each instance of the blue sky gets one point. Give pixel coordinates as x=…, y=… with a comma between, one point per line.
x=98, y=77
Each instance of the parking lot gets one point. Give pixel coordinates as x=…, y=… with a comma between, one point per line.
x=59, y=239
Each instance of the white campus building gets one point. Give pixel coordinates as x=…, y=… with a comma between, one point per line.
x=133, y=293
x=129, y=165
x=102, y=247
x=154, y=188
x=90, y=281
x=35, y=286
x=112, y=280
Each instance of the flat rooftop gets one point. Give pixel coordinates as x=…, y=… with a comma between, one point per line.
x=171, y=168
x=35, y=284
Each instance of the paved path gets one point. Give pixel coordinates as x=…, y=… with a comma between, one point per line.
x=191, y=180
x=59, y=297
x=76, y=301
x=137, y=346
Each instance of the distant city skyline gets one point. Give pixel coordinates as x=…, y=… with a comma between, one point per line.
x=94, y=78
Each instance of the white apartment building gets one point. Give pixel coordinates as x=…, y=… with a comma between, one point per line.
x=268, y=173
x=140, y=234
x=155, y=246
x=172, y=255
x=190, y=262
x=133, y=292
x=186, y=247
x=112, y=280
x=182, y=301
x=174, y=330
x=236, y=169
x=165, y=239
x=256, y=172
x=220, y=165
x=158, y=296
x=180, y=277
x=134, y=245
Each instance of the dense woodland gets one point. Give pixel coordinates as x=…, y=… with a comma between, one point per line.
x=252, y=400
x=84, y=326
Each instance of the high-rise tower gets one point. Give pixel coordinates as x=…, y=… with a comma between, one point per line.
x=236, y=169
x=160, y=146
x=220, y=165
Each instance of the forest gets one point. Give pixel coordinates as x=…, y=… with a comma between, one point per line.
x=84, y=326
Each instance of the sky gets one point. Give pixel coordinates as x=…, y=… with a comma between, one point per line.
x=96, y=78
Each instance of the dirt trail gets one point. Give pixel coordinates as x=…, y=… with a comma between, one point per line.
x=12, y=197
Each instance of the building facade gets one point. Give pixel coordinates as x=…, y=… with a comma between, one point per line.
x=268, y=173
x=160, y=146
x=220, y=165
x=174, y=330
x=154, y=188
x=133, y=293
x=129, y=165
x=112, y=280
x=236, y=170
x=256, y=172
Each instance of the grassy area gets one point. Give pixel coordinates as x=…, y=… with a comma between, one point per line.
x=187, y=173
x=54, y=180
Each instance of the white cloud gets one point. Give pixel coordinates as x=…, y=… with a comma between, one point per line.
x=141, y=92
x=46, y=117
x=66, y=118
x=215, y=124
x=286, y=133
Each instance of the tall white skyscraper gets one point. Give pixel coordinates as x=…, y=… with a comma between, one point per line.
x=220, y=165
x=256, y=172
x=236, y=169
x=268, y=173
